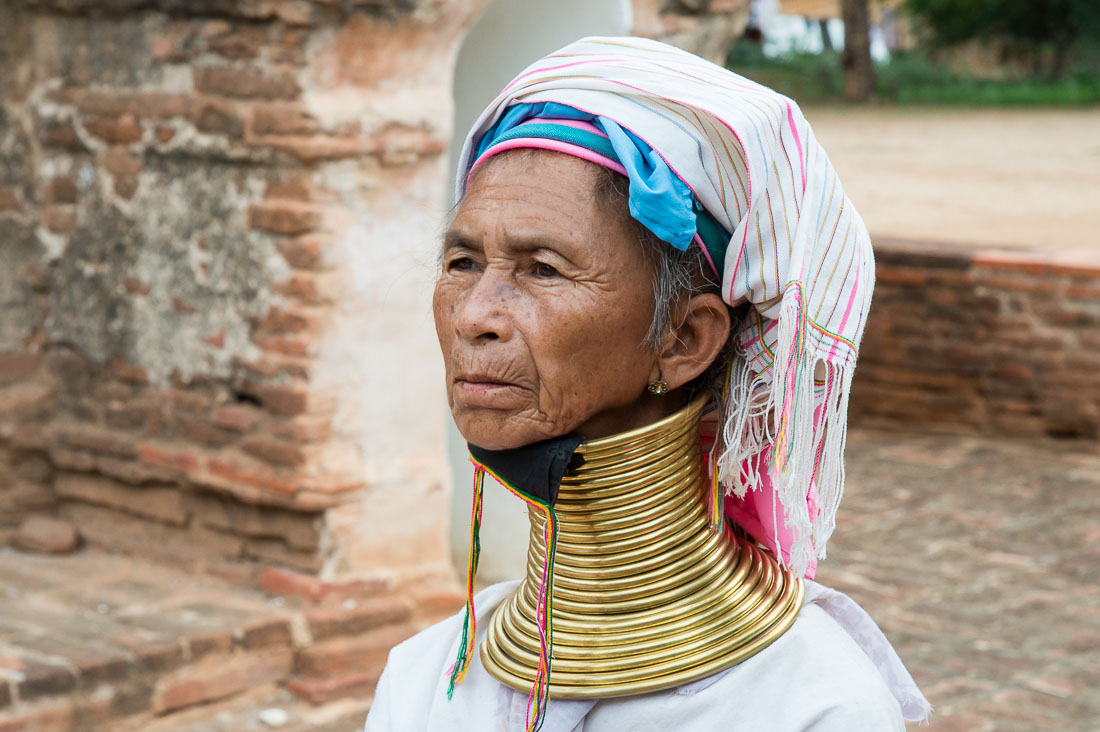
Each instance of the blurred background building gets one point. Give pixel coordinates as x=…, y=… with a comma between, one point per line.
x=219, y=384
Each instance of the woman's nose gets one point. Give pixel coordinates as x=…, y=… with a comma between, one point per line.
x=484, y=313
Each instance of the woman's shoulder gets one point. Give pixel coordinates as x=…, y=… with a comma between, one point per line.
x=821, y=669
x=414, y=676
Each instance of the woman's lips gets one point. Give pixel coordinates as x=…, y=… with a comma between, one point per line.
x=478, y=391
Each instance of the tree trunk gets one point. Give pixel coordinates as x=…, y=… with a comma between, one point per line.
x=859, y=71
x=826, y=39
x=1060, y=63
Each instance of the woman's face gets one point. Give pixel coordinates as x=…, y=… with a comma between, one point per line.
x=542, y=307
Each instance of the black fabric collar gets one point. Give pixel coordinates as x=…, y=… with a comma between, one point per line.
x=535, y=469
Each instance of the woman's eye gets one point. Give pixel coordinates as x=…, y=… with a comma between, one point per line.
x=542, y=269
x=460, y=264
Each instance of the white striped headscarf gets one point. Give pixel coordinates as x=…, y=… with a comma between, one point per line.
x=799, y=253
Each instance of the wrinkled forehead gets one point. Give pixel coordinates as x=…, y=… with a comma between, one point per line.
x=527, y=179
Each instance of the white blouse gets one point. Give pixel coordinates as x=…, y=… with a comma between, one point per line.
x=832, y=671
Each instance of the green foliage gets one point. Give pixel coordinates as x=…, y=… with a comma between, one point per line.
x=911, y=78
x=1035, y=21
x=799, y=75
x=1039, y=28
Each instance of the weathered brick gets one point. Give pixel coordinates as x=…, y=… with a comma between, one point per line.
x=55, y=715
x=329, y=622
x=239, y=475
x=21, y=498
x=208, y=643
x=434, y=603
x=216, y=678
x=116, y=131
x=219, y=119
x=164, y=503
x=270, y=365
x=306, y=252
x=128, y=534
x=200, y=429
x=274, y=451
x=241, y=43
x=128, y=416
x=284, y=400
x=312, y=288
x=60, y=219
x=305, y=429
x=901, y=276
x=193, y=402
x=92, y=661
x=39, y=533
x=298, y=529
x=288, y=345
x=126, y=186
x=341, y=656
x=278, y=553
x=355, y=685
x=315, y=148
x=181, y=461
x=41, y=679
x=149, y=104
x=152, y=655
x=9, y=200
x=1007, y=261
x=266, y=632
x=399, y=144
x=285, y=217
x=96, y=440
x=59, y=189
x=288, y=583
x=60, y=133
x=246, y=83
x=284, y=320
x=294, y=187
x=237, y=417
x=18, y=366
x=120, y=162
x=283, y=119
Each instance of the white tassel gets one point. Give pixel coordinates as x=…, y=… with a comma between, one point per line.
x=806, y=427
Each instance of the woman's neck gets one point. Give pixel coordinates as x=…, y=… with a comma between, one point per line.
x=644, y=594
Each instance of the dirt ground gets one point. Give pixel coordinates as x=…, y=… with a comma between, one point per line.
x=995, y=178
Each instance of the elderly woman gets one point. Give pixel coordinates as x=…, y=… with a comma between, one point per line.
x=651, y=297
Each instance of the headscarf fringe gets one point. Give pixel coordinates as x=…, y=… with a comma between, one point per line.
x=803, y=423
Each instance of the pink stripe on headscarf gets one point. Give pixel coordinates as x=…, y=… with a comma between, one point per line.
x=543, y=143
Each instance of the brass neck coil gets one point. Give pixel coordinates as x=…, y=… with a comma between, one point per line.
x=645, y=595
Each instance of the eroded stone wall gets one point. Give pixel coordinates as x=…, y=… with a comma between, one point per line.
x=215, y=222
x=998, y=342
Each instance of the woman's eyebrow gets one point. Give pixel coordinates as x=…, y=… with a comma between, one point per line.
x=516, y=243
x=458, y=240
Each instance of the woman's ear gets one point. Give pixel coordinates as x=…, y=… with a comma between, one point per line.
x=699, y=330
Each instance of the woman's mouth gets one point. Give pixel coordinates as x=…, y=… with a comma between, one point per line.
x=476, y=390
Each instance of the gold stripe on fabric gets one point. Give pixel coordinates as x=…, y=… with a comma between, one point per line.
x=645, y=595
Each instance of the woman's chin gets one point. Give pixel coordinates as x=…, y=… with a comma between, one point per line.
x=494, y=431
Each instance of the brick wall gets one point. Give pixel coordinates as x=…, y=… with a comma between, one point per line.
x=207, y=214
x=1004, y=342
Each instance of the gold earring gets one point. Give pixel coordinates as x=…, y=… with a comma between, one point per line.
x=658, y=387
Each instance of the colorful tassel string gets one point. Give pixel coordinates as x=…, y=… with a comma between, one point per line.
x=538, y=700
x=469, y=624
